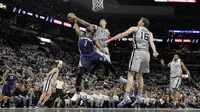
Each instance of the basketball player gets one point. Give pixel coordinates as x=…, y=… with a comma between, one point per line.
x=102, y=34
x=49, y=80
x=139, y=62
x=88, y=55
x=176, y=66
x=9, y=78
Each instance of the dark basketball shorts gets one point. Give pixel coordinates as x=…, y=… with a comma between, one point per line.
x=88, y=60
x=8, y=89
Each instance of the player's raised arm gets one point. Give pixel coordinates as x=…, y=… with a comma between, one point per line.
x=121, y=35
x=184, y=68
x=77, y=29
x=81, y=21
x=51, y=72
x=4, y=75
x=153, y=47
x=99, y=46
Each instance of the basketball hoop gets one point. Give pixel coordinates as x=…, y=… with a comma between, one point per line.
x=97, y=5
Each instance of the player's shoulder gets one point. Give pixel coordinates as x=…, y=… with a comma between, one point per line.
x=55, y=69
x=134, y=29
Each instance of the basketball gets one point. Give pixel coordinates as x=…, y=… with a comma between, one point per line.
x=69, y=17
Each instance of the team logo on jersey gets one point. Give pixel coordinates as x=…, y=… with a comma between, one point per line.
x=102, y=59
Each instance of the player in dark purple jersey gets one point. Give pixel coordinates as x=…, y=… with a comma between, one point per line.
x=9, y=78
x=88, y=56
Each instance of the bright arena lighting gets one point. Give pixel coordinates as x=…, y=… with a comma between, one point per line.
x=44, y=39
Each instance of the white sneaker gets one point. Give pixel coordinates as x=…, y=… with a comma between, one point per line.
x=75, y=97
x=122, y=80
x=134, y=103
x=124, y=102
x=139, y=99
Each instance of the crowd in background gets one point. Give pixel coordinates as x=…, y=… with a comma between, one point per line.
x=98, y=90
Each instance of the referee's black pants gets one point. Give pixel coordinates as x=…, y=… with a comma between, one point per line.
x=59, y=93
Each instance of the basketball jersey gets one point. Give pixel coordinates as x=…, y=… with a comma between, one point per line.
x=175, y=68
x=53, y=77
x=85, y=45
x=140, y=39
x=102, y=35
x=11, y=77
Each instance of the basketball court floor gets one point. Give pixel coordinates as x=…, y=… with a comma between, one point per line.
x=95, y=110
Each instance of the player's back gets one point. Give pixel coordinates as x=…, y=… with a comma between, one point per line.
x=11, y=77
x=140, y=39
x=85, y=45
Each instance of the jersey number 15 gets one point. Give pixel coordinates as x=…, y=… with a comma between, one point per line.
x=144, y=36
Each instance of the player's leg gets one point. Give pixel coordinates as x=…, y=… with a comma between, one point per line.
x=92, y=70
x=4, y=91
x=175, y=84
x=47, y=96
x=140, y=83
x=98, y=59
x=101, y=58
x=79, y=75
x=84, y=65
x=10, y=89
x=5, y=100
x=1, y=100
x=106, y=69
x=107, y=57
x=49, y=93
x=134, y=66
x=41, y=98
x=46, y=86
x=4, y=95
x=129, y=87
x=144, y=68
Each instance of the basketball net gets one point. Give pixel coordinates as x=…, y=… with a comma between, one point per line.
x=97, y=5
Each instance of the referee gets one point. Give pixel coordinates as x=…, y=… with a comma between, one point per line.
x=59, y=90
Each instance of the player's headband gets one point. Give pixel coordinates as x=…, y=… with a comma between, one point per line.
x=59, y=62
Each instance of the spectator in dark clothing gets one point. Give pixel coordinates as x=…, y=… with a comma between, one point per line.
x=38, y=93
x=16, y=95
x=23, y=95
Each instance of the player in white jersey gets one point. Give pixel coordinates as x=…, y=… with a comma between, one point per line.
x=102, y=34
x=49, y=80
x=176, y=66
x=139, y=62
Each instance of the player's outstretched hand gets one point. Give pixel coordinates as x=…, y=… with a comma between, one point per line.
x=107, y=41
x=73, y=16
x=155, y=54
